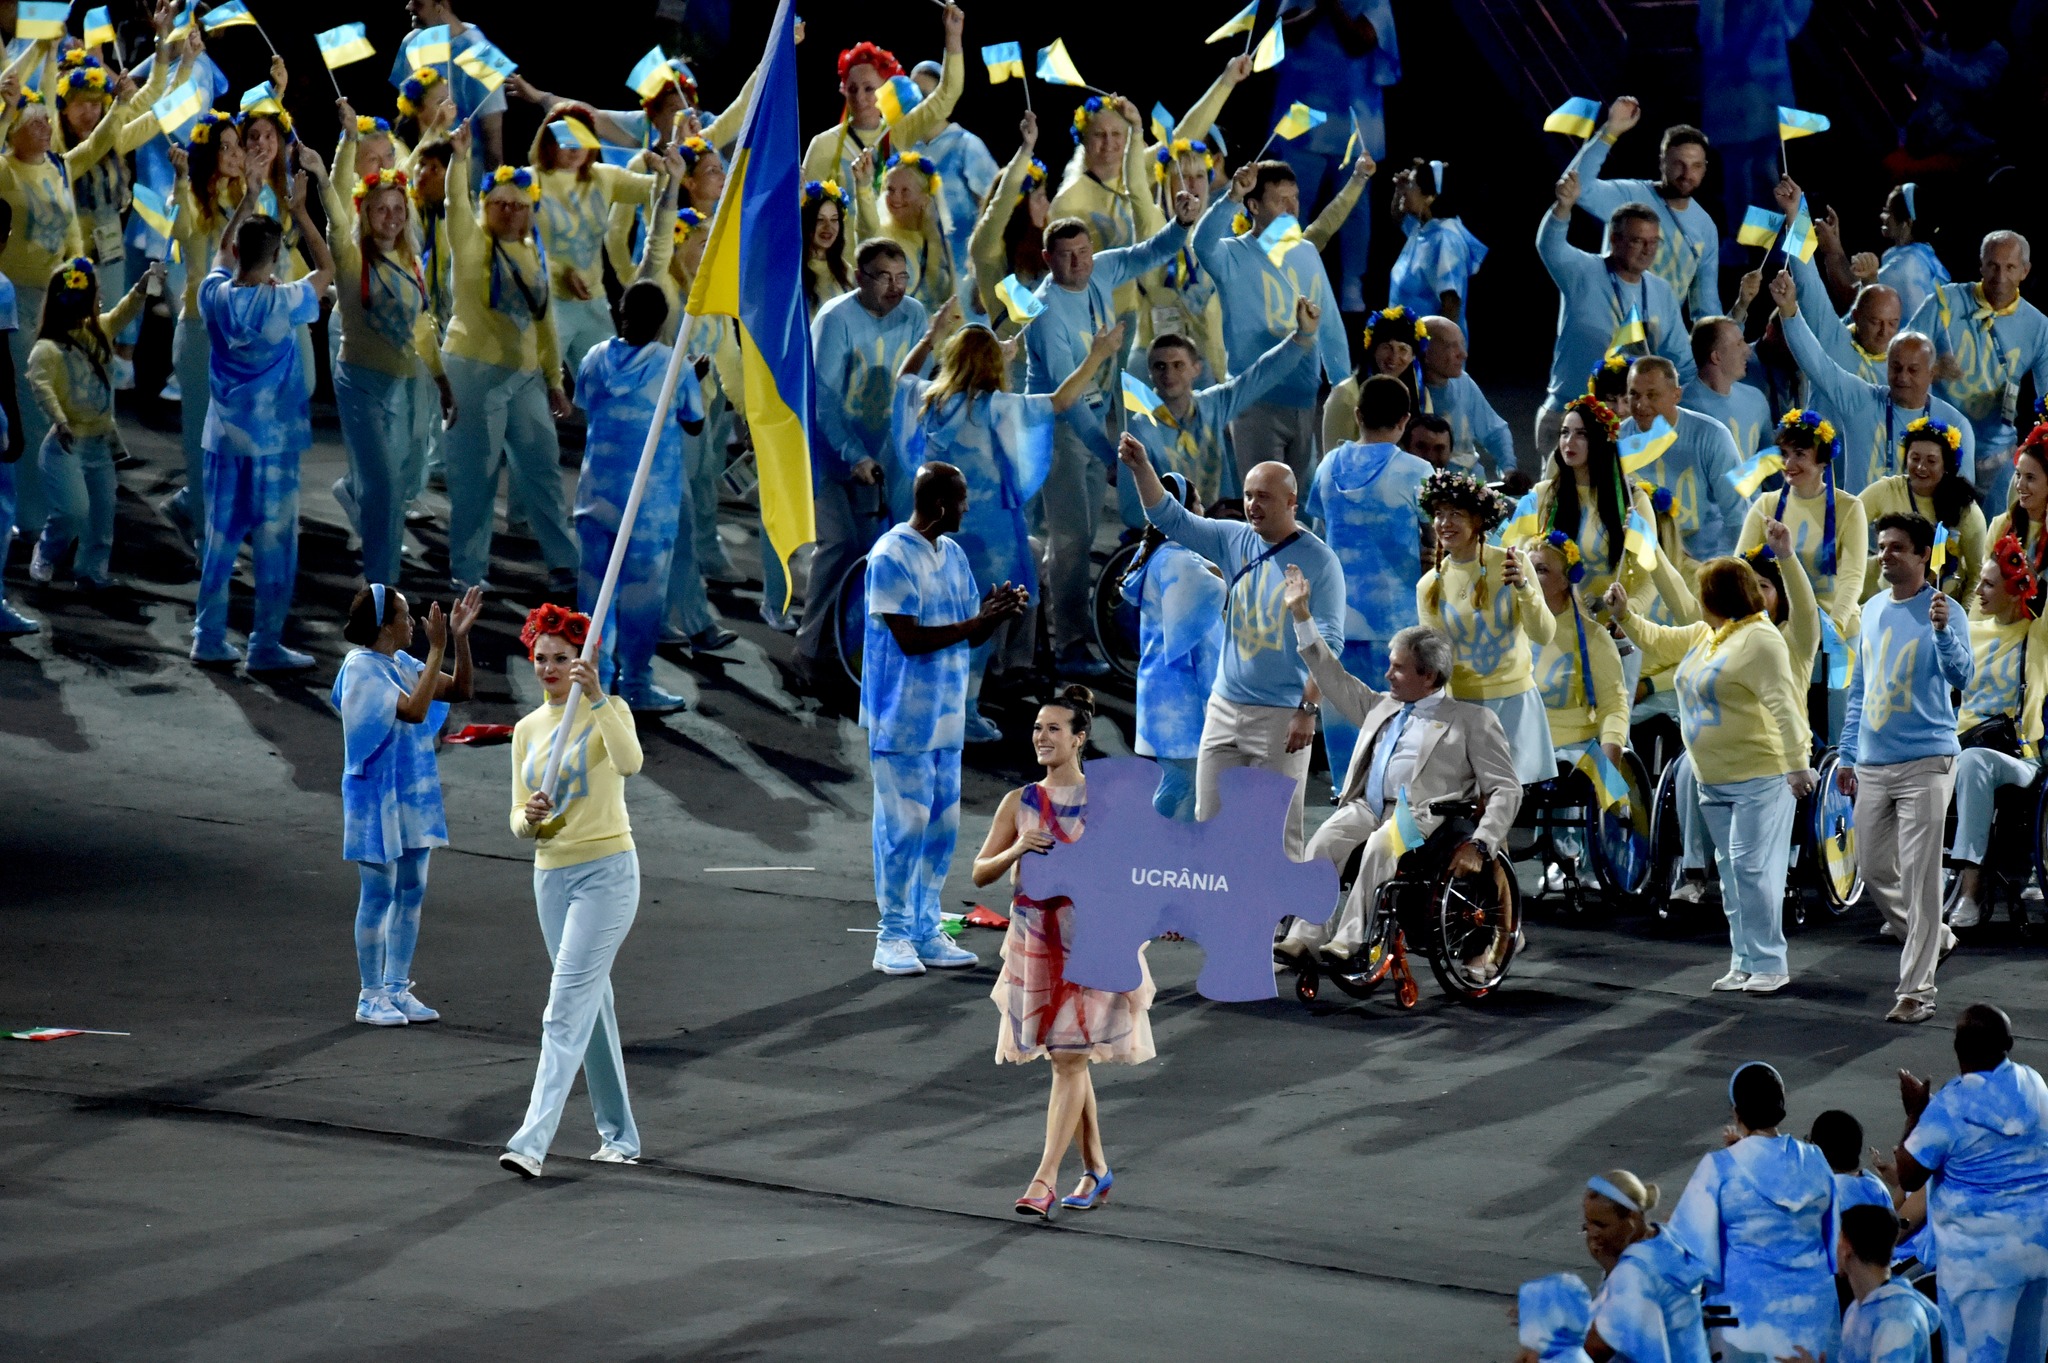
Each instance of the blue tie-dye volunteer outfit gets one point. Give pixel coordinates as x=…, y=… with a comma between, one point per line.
x=1551, y=1316
x=914, y=708
x=1913, y=272
x=256, y=427
x=1984, y=1137
x=1861, y=1189
x=391, y=810
x=1179, y=597
x=1760, y=1218
x=1648, y=1310
x=1871, y=423
x=966, y=170
x=618, y=385
x=1367, y=501
x=1994, y=350
x=1894, y=1324
x=1439, y=257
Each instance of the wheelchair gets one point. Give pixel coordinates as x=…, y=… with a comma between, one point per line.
x=849, y=624
x=2013, y=865
x=1115, y=620
x=1454, y=920
x=1615, y=842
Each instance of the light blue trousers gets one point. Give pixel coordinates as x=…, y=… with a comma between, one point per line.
x=502, y=415
x=1692, y=825
x=1175, y=798
x=79, y=485
x=191, y=357
x=1980, y=773
x=30, y=506
x=386, y=451
x=704, y=467
x=586, y=911
x=580, y=324
x=917, y=819
x=689, y=609
x=255, y=500
x=1073, y=507
x=1365, y=659
x=1751, y=824
x=388, y=918
x=6, y=520
x=1996, y=1325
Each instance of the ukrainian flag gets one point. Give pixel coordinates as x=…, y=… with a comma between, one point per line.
x=1799, y=123
x=1298, y=119
x=179, y=110
x=1628, y=333
x=1017, y=296
x=651, y=74
x=753, y=271
x=261, y=99
x=897, y=97
x=1760, y=227
x=1610, y=787
x=1645, y=448
x=1139, y=397
x=571, y=133
x=157, y=211
x=1522, y=525
x=231, y=15
x=1403, y=834
x=1003, y=61
x=1750, y=476
x=485, y=64
x=340, y=46
x=1281, y=236
x=183, y=25
x=99, y=27
x=1244, y=21
x=428, y=47
x=1640, y=539
x=1574, y=118
x=1271, y=51
x=1940, y=555
x=1162, y=124
x=41, y=19
x=1800, y=239
x=1055, y=67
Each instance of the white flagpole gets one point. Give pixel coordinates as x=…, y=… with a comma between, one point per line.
x=594, y=638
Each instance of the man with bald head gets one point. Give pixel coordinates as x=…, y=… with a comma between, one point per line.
x=1987, y=339
x=1872, y=417
x=1858, y=340
x=1262, y=709
x=1477, y=431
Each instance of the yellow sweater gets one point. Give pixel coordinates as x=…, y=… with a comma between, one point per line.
x=1561, y=675
x=590, y=795
x=478, y=331
x=985, y=243
x=1839, y=593
x=573, y=214
x=198, y=236
x=398, y=288
x=1966, y=543
x=65, y=384
x=1594, y=549
x=1739, y=704
x=2002, y=650
x=1495, y=644
x=831, y=153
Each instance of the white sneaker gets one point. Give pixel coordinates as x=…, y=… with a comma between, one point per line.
x=1766, y=984
x=414, y=1010
x=1553, y=879
x=939, y=952
x=1691, y=890
x=897, y=958
x=374, y=1007
x=519, y=1164
x=1966, y=914
x=1732, y=981
x=611, y=1154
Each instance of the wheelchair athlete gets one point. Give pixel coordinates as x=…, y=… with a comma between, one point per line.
x=2000, y=720
x=1416, y=746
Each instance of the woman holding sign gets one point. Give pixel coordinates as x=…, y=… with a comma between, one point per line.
x=1044, y=1015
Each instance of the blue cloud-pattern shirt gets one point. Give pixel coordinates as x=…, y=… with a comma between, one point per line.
x=390, y=777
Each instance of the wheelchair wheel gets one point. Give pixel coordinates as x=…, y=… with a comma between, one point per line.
x=1622, y=839
x=1116, y=623
x=1667, y=847
x=850, y=619
x=1471, y=914
x=1832, y=823
x=1368, y=969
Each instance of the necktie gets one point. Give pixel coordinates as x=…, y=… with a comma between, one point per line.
x=1382, y=755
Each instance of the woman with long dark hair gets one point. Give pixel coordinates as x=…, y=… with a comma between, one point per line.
x=1071, y=1026
x=826, y=243
x=1586, y=497
x=2025, y=517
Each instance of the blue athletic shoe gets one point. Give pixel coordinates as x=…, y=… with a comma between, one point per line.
x=400, y=997
x=652, y=700
x=215, y=653
x=375, y=1008
x=897, y=958
x=13, y=622
x=981, y=729
x=278, y=658
x=939, y=952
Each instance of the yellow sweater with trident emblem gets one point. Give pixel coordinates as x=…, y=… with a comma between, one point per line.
x=1492, y=625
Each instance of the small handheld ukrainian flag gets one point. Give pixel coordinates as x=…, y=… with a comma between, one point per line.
x=428, y=47
x=1940, y=554
x=1751, y=475
x=1835, y=651
x=1760, y=227
x=651, y=74
x=1640, y=540
x=1003, y=61
x=573, y=133
x=897, y=97
x=41, y=19
x=1629, y=333
x=1799, y=123
x=233, y=14
x=1298, y=119
x=261, y=99
x=1403, y=834
x=99, y=27
x=1244, y=21
x=159, y=213
x=340, y=46
x=485, y=64
x=1055, y=67
x=1139, y=397
x=1017, y=297
x=1522, y=524
x=177, y=111
x=1281, y=236
x=1610, y=787
x=183, y=24
x=1800, y=238
x=1574, y=118
x=1645, y=448
x=1162, y=124
x=1271, y=51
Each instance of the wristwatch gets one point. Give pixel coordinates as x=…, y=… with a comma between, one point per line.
x=1310, y=707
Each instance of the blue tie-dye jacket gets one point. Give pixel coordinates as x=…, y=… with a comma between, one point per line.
x=1984, y=1136
x=1760, y=1218
x=1366, y=499
x=1179, y=597
x=390, y=777
x=1648, y=1310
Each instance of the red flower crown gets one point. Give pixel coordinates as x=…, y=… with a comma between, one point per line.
x=552, y=619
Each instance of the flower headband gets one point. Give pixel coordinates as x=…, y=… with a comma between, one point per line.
x=2009, y=556
x=367, y=126
x=1400, y=325
x=1594, y=409
x=688, y=220
x=922, y=164
x=76, y=276
x=75, y=56
x=1611, y=365
x=1660, y=497
x=282, y=119
x=1941, y=430
x=867, y=54
x=1033, y=178
x=692, y=150
x=573, y=626
x=1171, y=152
x=1827, y=444
x=518, y=177
x=414, y=91
x=1567, y=549
x=392, y=178
x=29, y=99
x=83, y=82
x=209, y=120
x=1462, y=492
x=817, y=191
x=1085, y=115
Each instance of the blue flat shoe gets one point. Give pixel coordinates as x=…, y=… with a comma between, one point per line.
x=1098, y=1195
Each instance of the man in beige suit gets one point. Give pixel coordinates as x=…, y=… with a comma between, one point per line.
x=1412, y=737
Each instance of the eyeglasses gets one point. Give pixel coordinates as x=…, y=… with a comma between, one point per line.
x=900, y=279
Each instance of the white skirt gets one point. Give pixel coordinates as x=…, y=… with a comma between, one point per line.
x=1527, y=725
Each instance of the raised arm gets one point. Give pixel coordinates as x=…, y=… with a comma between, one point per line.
x=312, y=168
x=1602, y=197
x=985, y=242
x=932, y=112
x=1350, y=696
x=1835, y=386
x=1324, y=229
x=1198, y=121
x=1565, y=261
x=1079, y=383
x=1126, y=263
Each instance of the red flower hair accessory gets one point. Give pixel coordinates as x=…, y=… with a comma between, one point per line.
x=867, y=54
x=573, y=626
x=1596, y=410
x=2009, y=556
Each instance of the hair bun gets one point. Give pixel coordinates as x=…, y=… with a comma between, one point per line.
x=1079, y=699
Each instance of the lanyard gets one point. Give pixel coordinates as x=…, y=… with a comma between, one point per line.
x=1229, y=592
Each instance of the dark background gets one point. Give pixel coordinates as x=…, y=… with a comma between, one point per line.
x=1472, y=70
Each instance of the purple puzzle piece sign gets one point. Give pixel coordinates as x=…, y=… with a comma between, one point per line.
x=1225, y=883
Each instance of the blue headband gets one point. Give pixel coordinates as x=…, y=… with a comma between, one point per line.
x=1600, y=1185
x=377, y=599
x=1906, y=192
x=1757, y=1064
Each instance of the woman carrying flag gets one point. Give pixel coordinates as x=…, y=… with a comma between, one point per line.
x=1009, y=236
x=1932, y=486
x=1578, y=671
x=1586, y=497
x=505, y=369
x=578, y=189
x=882, y=112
